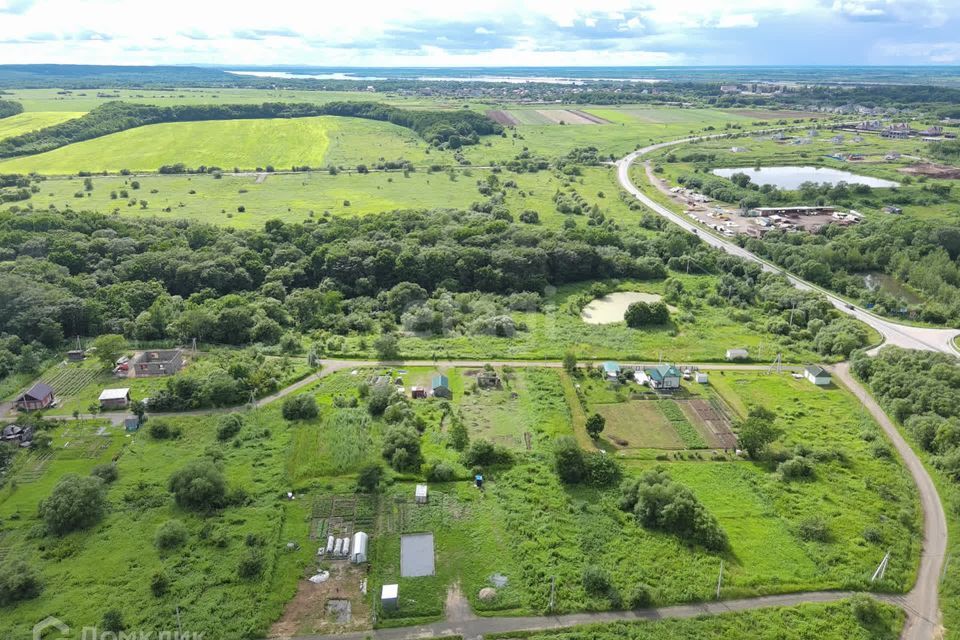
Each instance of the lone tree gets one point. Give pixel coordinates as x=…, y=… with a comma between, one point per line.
x=757, y=431
x=109, y=347
x=199, y=486
x=77, y=502
x=595, y=425
x=570, y=362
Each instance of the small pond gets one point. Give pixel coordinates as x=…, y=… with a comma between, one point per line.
x=611, y=308
x=790, y=178
x=878, y=281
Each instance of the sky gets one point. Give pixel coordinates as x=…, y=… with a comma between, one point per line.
x=435, y=33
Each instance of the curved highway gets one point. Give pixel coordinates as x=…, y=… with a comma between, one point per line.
x=893, y=333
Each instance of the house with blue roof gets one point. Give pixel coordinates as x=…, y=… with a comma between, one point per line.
x=440, y=385
x=611, y=369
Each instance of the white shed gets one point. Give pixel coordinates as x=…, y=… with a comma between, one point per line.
x=737, y=354
x=702, y=377
x=420, y=494
x=389, y=595
x=359, y=555
x=817, y=375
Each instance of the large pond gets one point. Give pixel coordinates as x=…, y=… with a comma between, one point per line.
x=790, y=178
x=611, y=308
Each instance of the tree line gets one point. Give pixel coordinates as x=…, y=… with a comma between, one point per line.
x=449, y=129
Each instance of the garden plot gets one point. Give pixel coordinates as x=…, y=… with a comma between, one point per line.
x=711, y=420
x=638, y=424
x=567, y=116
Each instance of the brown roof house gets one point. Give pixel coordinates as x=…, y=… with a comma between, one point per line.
x=163, y=362
x=39, y=396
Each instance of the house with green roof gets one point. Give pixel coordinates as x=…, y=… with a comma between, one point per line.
x=664, y=376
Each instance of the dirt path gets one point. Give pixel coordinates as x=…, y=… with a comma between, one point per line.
x=922, y=603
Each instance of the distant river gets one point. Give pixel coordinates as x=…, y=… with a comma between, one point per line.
x=790, y=178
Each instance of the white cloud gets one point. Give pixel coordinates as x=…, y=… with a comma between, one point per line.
x=424, y=32
x=742, y=21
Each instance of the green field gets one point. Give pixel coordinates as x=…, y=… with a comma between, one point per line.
x=87, y=100
x=32, y=120
x=245, y=144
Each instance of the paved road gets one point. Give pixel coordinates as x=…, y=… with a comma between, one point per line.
x=893, y=333
x=922, y=603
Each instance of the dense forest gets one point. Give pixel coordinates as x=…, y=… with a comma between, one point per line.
x=10, y=108
x=440, y=271
x=447, y=129
x=922, y=254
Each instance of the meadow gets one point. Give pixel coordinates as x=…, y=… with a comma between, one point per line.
x=32, y=120
x=111, y=566
x=245, y=144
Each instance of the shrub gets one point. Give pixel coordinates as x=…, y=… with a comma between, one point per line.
x=76, y=502
x=229, y=426
x=459, y=436
x=568, y=460
x=814, y=529
x=113, y=621
x=798, y=468
x=162, y=430
x=106, y=472
x=199, y=486
x=299, y=407
x=483, y=453
x=401, y=447
x=440, y=472
x=380, y=397
x=251, y=564
x=640, y=597
x=865, y=609
x=602, y=470
x=159, y=584
x=170, y=535
x=18, y=581
x=368, y=480
x=660, y=503
x=596, y=581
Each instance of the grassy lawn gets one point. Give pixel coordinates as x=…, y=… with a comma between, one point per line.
x=246, y=144
x=32, y=120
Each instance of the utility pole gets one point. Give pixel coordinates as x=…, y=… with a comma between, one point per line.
x=553, y=592
x=179, y=628
x=720, y=579
x=881, y=569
